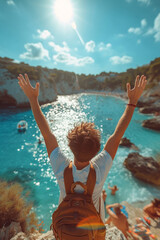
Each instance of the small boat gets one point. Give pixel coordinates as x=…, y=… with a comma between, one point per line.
x=22, y=126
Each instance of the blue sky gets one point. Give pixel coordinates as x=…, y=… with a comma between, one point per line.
x=83, y=36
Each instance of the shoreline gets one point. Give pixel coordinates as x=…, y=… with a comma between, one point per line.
x=26, y=106
x=118, y=94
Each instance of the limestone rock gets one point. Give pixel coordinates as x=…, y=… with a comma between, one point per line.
x=20, y=236
x=125, y=142
x=114, y=234
x=153, y=123
x=46, y=236
x=111, y=234
x=12, y=95
x=34, y=236
x=144, y=168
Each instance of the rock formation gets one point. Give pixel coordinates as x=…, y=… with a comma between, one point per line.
x=153, y=123
x=150, y=110
x=13, y=232
x=144, y=168
x=125, y=142
x=52, y=83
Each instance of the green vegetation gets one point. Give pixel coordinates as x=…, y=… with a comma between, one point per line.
x=111, y=80
x=15, y=208
x=88, y=82
x=15, y=69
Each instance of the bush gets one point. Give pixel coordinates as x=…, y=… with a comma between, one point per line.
x=15, y=208
x=33, y=72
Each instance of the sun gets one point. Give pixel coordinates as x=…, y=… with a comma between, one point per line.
x=63, y=10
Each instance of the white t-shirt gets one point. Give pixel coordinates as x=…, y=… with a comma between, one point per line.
x=101, y=163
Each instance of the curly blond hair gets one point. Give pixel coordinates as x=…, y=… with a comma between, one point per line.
x=84, y=141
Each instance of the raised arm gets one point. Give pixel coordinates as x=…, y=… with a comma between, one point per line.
x=133, y=96
x=110, y=212
x=32, y=94
x=109, y=187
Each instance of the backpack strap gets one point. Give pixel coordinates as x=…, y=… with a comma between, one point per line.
x=91, y=180
x=68, y=178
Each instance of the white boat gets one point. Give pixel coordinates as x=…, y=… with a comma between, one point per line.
x=22, y=126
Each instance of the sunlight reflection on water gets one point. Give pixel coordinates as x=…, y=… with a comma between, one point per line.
x=27, y=161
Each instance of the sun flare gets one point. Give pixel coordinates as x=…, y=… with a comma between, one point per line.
x=63, y=10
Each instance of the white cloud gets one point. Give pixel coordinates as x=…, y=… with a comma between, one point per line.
x=58, y=48
x=138, y=30
x=35, y=51
x=44, y=34
x=147, y=2
x=90, y=46
x=120, y=35
x=138, y=41
x=102, y=46
x=10, y=2
x=134, y=30
x=66, y=58
x=143, y=22
x=150, y=31
x=156, y=29
x=16, y=61
x=115, y=60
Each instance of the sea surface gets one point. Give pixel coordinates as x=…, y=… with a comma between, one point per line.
x=25, y=161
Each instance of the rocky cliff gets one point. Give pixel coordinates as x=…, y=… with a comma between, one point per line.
x=52, y=83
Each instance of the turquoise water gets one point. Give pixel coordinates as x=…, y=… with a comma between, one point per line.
x=23, y=160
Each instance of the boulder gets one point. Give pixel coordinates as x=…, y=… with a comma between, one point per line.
x=153, y=123
x=114, y=234
x=125, y=142
x=150, y=110
x=143, y=168
x=146, y=102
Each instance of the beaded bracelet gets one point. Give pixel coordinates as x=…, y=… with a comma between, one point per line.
x=132, y=105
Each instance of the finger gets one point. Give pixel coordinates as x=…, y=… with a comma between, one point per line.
x=20, y=85
x=37, y=87
x=143, y=81
x=137, y=81
x=144, y=84
x=128, y=87
x=27, y=79
x=140, y=82
x=22, y=79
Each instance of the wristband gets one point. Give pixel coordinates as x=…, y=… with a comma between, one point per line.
x=132, y=105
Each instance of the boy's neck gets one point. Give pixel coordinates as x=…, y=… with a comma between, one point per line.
x=80, y=165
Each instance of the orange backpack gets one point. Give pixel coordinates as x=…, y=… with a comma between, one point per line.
x=76, y=218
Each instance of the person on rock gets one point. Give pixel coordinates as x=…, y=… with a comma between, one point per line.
x=84, y=142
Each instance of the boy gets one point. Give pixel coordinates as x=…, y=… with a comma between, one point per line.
x=84, y=142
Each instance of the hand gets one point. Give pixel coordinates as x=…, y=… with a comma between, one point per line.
x=135, y=93
x=29, y=91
